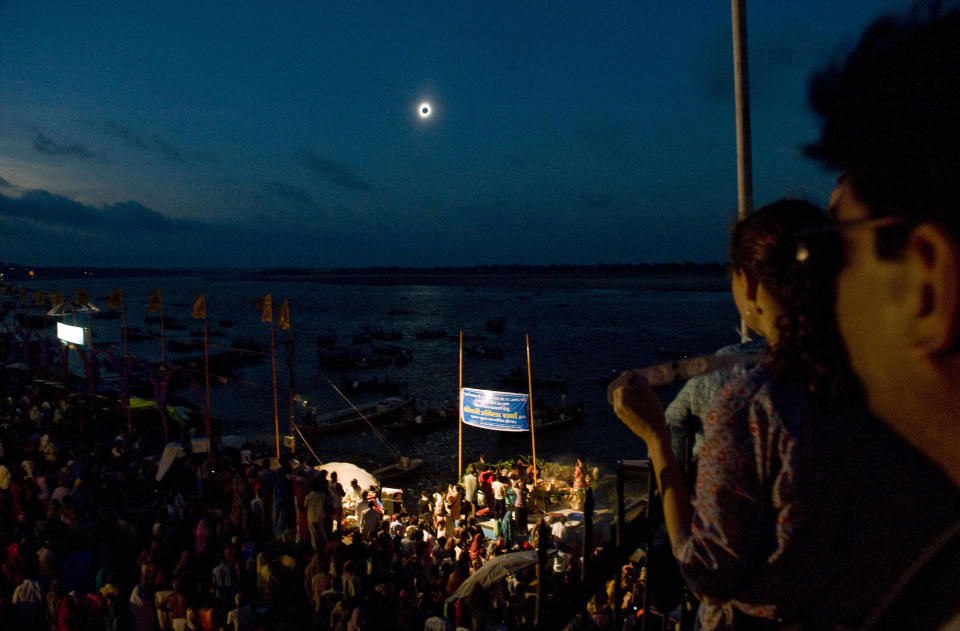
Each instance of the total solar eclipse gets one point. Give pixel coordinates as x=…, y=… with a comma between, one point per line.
x=424, y=110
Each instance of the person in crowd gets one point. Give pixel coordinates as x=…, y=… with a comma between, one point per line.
x=785, y=443
x=499, y=490
x=520, y=506
x=336, y=494
x=369, y=520
x=506, y=522
x=485, y=479
x=890, y=116
x=578, y=492
x=685, y=414
x=241, y=618
x=359, y=497
x=316, y=502
x=470, y=484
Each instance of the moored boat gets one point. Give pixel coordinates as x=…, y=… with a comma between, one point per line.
x=377, y=413
x=518, y=379
x=400, y=470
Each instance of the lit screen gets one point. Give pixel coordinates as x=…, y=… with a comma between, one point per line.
x=72, y=334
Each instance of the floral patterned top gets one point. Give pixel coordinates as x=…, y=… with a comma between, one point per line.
x=798, y=517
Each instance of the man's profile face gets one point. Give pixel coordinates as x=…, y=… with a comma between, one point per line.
x=867, y=290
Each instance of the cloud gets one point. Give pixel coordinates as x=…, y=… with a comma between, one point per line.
x=41, y=228
x=57, y=211
x=332, y=171
x=150, y=143
x=45, y=144
x=137, y=216
x=289, y=192
x=4, y=183
x=44, y=207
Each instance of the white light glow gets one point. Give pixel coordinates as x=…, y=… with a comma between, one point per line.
x=71, y=334
x=424, y=110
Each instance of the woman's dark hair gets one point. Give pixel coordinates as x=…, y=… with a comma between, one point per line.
x=809, y=352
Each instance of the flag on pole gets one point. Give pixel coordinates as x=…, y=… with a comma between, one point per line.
x=56, y=298
x=200, y=308
x=267, y=304
x=82, y=296
x=155, y=301
x=284, y=321
x=115, y=299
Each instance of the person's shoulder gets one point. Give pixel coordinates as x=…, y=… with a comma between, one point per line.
x=744, y=385
x=748, y=347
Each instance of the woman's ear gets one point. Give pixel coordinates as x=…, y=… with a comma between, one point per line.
x=933, y=289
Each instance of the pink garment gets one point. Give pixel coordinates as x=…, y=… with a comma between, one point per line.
x=201, y=537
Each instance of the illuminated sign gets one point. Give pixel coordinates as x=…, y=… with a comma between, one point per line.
x=500, y=411
x=72, y=334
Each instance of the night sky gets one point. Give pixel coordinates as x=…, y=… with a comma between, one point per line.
x=199, y=134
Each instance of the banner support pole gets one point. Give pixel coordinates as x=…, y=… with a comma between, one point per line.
x=533, y=439
x=460, y=414
x=273, y=362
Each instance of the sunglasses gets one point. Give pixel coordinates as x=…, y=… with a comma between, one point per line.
x=823, y=248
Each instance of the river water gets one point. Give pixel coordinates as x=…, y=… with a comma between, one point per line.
x=580, y=331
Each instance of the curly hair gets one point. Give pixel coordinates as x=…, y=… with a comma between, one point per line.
x=809, y=352
x=891, y=118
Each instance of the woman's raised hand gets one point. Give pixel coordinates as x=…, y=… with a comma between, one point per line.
x=637, y=405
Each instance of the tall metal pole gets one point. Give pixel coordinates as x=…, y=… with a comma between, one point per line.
x=206, y=375
x=273, y=363
x=533, y=436
x=741, y=83
x=459, y=414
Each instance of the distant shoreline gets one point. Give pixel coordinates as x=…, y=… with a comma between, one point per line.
x=667, y=276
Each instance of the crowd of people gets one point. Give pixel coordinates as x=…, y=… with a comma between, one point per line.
x=96, y=535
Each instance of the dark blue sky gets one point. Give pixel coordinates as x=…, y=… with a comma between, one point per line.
x=236, y=134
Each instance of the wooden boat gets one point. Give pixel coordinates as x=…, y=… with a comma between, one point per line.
x=383, y=386
x=400, y=470
x=400, y=354
x=431, y=334
x=557, y=416
x=368, y=334
x=184, y=346
x=488, y=352
x=433, y=418
x=518, y=379
x=377, y=413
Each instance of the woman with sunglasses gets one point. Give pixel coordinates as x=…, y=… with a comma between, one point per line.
x=792, y=521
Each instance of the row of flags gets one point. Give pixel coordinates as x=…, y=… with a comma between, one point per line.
x=155, y=303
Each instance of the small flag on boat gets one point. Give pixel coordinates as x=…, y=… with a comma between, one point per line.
x=39, y=298
x=267, y=305
x=284, y=321
x=82, y=296
x=155, y=301
x=115, y=299
x=200, y=308
x=56, y=298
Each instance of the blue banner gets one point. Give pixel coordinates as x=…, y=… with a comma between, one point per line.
x=499, y=411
